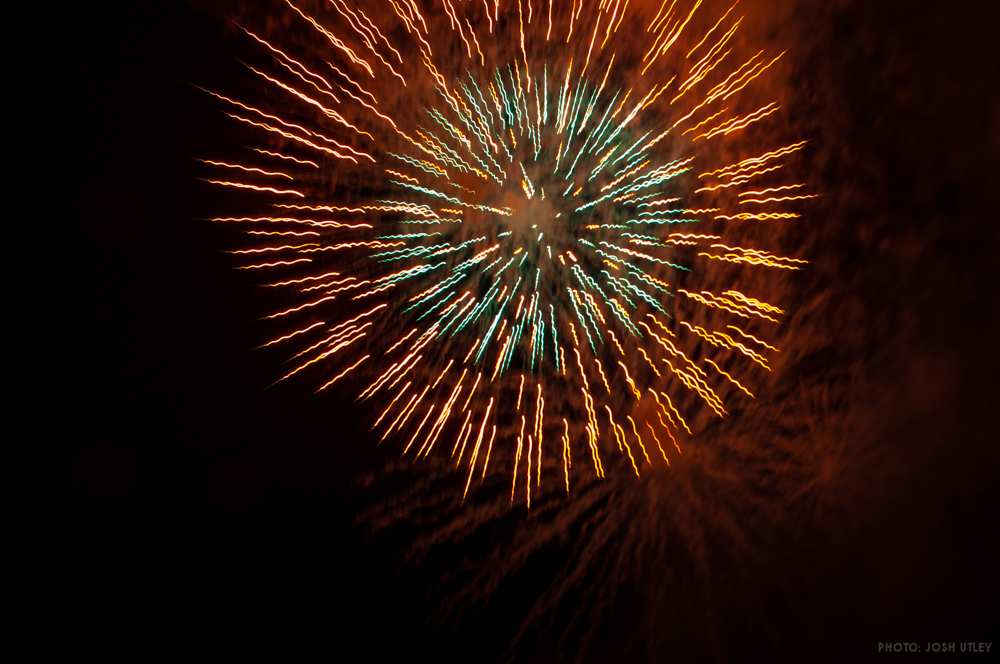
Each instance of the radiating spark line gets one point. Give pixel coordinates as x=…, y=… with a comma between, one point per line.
x=246, y=169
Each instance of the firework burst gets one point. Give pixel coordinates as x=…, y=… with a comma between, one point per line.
x=523, y=229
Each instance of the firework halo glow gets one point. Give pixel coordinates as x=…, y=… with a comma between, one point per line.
x=503, y=344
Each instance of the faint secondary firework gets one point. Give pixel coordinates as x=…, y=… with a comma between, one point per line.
x=524, y=229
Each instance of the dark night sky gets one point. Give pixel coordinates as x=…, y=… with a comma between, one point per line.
x=203, y=505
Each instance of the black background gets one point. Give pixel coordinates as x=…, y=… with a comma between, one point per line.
x=205, y=508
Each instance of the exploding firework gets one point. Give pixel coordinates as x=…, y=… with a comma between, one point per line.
x=524, y=229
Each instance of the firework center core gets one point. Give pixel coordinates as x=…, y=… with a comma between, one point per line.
x=528, y=214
